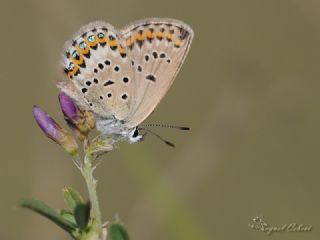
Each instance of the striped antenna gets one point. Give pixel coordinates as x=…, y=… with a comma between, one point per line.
x=165, y=126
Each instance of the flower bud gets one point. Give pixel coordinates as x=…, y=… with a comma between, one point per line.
x=54, y=131
x=79, y=121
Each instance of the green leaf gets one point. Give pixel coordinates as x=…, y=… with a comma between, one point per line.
x=67, y=215
x=82, y=215
x=46, y=211
x=117, y=232
x=72, y=198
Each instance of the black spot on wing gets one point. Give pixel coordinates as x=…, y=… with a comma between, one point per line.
x=151, y=77
x=94, y=47
x=155, y=55
x=125, y=79
x=87, y=55
x=84, y=90
x=82, y=65
x=113, y=48
x=109, y=82
x=116, y=68
x=100, y=65
x=102, y=44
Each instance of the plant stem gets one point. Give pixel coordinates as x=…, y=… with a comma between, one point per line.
x=87, y=172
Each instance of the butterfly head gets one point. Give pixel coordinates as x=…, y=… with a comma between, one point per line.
x=134, y=136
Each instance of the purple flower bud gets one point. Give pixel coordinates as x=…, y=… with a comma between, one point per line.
x=47, y=124
x=69, y=109
x=79, y=121
x=54, y=131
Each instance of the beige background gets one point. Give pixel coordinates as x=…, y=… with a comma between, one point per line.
x=249, y=89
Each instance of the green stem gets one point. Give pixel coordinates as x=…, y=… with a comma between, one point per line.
x=87, y=172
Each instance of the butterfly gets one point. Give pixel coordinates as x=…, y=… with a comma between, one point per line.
x=121, y=76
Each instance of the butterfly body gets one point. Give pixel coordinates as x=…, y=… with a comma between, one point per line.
x=121, y=76
x=117, y=129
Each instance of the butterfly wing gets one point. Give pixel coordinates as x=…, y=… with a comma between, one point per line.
x=157, y=48
x=98, y=71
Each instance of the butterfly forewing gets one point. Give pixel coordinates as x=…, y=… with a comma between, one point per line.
x=98, y=70
x=157, y=48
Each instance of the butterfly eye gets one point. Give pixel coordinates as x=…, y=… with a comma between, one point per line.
x=91, y=38
x=100, y=35
x=135, y=133
x=83, y=45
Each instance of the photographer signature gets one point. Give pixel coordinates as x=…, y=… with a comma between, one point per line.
x=258, y=223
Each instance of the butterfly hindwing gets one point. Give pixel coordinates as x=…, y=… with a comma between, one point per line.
x=157, y=48
x=98, y=69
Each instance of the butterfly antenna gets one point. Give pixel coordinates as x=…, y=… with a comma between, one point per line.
x=166, y=126
x=158, y=136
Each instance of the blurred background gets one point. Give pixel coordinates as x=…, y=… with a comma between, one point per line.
x=249, y=89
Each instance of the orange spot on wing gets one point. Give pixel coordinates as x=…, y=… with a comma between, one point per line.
x=150, y=35
x=75, y=69
x=141, y=37
x=160, y=34
x=94, y=43
x=82, y=51
x=122, y=50
x=178, y=43
x=130, y=41
x=170, y=36
x=89, y=44
x=113, y=43
x=101, y=40
x=77, y=61
x=135, y=37
x=69, y=74
x=80, y=61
